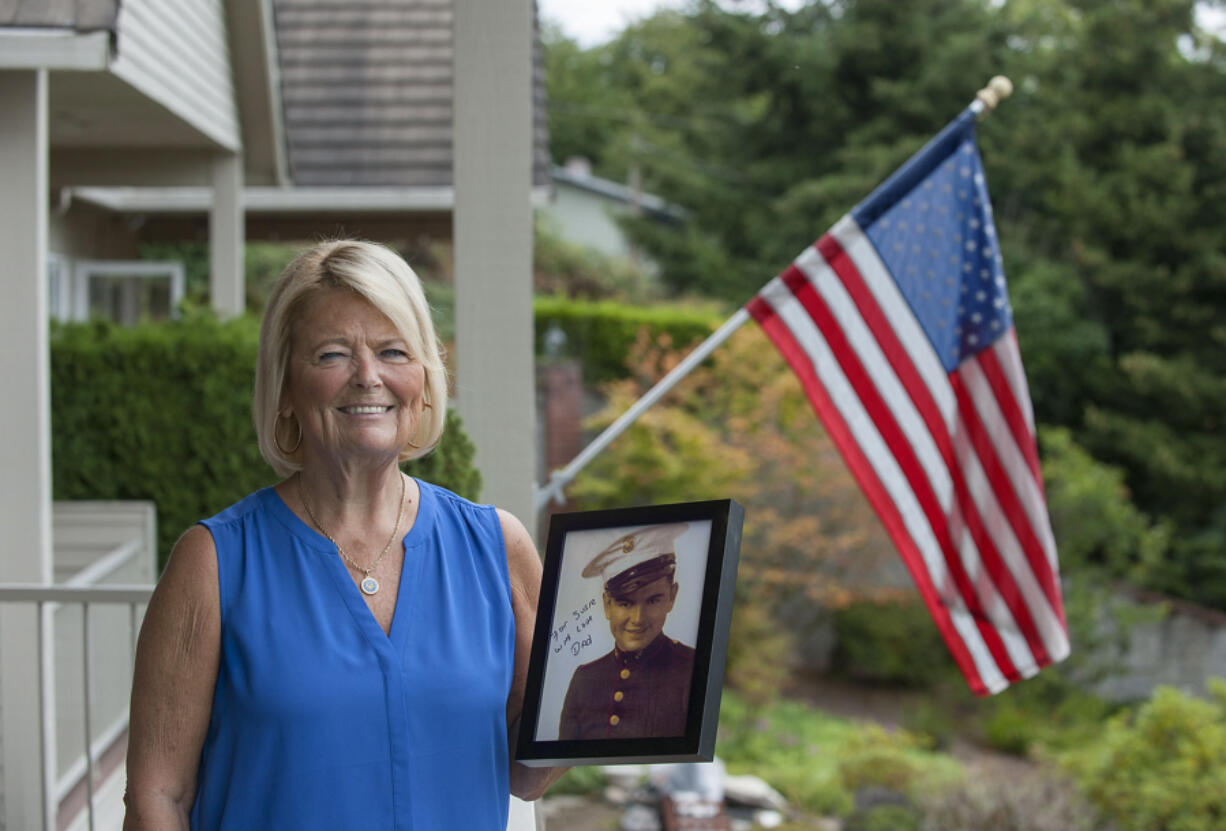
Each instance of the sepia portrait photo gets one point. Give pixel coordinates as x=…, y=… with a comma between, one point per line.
x=621, y=645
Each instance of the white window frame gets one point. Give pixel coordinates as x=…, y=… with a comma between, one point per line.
x=85, y=270
x=59, y=286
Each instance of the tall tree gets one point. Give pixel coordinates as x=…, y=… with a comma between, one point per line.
x=1107, y=170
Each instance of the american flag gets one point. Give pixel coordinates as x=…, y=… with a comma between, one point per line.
x=898, y=324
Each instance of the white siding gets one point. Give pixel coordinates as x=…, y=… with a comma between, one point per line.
x=176, y=52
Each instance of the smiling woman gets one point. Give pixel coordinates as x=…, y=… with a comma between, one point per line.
x=349, y=647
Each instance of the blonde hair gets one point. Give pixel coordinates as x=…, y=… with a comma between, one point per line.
x=382, y=277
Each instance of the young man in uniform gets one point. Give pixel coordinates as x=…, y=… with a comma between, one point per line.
x=641, y=688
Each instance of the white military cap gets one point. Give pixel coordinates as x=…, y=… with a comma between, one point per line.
x=636, y=559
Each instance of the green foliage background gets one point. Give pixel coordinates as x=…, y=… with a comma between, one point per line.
x=163, y=412
x=602, y=334
x=1161, y=766
x=1107, y=169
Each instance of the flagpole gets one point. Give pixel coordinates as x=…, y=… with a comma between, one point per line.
x=997, y=89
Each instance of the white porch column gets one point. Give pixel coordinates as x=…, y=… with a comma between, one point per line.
x=492, y=170
x=493, y=245
x=227, y=235
x=25, y=422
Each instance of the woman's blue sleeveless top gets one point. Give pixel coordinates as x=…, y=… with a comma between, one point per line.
x=320, y=720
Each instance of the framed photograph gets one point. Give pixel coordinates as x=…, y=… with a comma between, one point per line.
x=631, y=635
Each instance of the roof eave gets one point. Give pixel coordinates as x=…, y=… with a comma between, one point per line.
x=289, y=200
x=54, y=49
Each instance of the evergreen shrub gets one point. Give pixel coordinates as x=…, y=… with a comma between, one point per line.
x=1162, y=766
x=163, y=412
x=600, y=334
x=890, y=643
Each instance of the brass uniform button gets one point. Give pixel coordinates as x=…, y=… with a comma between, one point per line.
x=625, y=673
x=619, y=695
x=614, y=720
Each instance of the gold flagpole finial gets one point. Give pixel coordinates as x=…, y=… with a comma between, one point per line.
x=997, y=90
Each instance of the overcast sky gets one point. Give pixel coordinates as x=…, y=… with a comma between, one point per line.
x=596, y=21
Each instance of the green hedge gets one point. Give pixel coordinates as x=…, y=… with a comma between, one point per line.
x=163, y=412
x=600, y=334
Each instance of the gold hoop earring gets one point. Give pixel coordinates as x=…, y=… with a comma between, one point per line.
x=414, y=446
x=276, y=440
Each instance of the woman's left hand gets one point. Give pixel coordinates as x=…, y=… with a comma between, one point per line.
x=524, y=567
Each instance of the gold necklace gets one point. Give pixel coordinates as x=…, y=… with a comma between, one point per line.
x=369, y=585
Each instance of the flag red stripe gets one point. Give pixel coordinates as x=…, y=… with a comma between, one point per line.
x=900, y=446
x=798, y=359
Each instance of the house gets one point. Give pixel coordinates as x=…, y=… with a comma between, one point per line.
x=585, y=209
x=145, y=119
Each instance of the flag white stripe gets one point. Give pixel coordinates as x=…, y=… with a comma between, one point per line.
x=1010, y=358
x=793, y=315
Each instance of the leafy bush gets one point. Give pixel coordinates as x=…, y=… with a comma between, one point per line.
x=884, y=818
x=890, y=643
x=895, y=760
x=759, y=659
x=1162, y=768
x=1092, y=515
x=1046, y=713
x=789, y=745
x=815, y=760
x=163, y=412
x=582, y=272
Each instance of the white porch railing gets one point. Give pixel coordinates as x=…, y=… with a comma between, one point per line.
x=47, y=600
x=79, y=637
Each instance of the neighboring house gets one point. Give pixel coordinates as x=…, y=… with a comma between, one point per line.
x=127, y=121
x=585, y=210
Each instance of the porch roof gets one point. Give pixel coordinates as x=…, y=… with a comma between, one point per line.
x=78, y=15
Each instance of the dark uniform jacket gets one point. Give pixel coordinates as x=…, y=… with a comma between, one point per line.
x=630, y=695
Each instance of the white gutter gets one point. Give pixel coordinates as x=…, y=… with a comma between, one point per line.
x=37, y=48
x=196, y=200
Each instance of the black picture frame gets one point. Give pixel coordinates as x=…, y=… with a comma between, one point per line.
x=573, y=630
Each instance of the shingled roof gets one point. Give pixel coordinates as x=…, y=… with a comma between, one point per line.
x=79, y=15
x=366, y=88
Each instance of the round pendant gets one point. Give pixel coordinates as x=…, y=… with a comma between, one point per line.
x=369, y=585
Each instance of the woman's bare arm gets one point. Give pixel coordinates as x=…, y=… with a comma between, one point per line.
x=172, y=692
x=525, y=572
